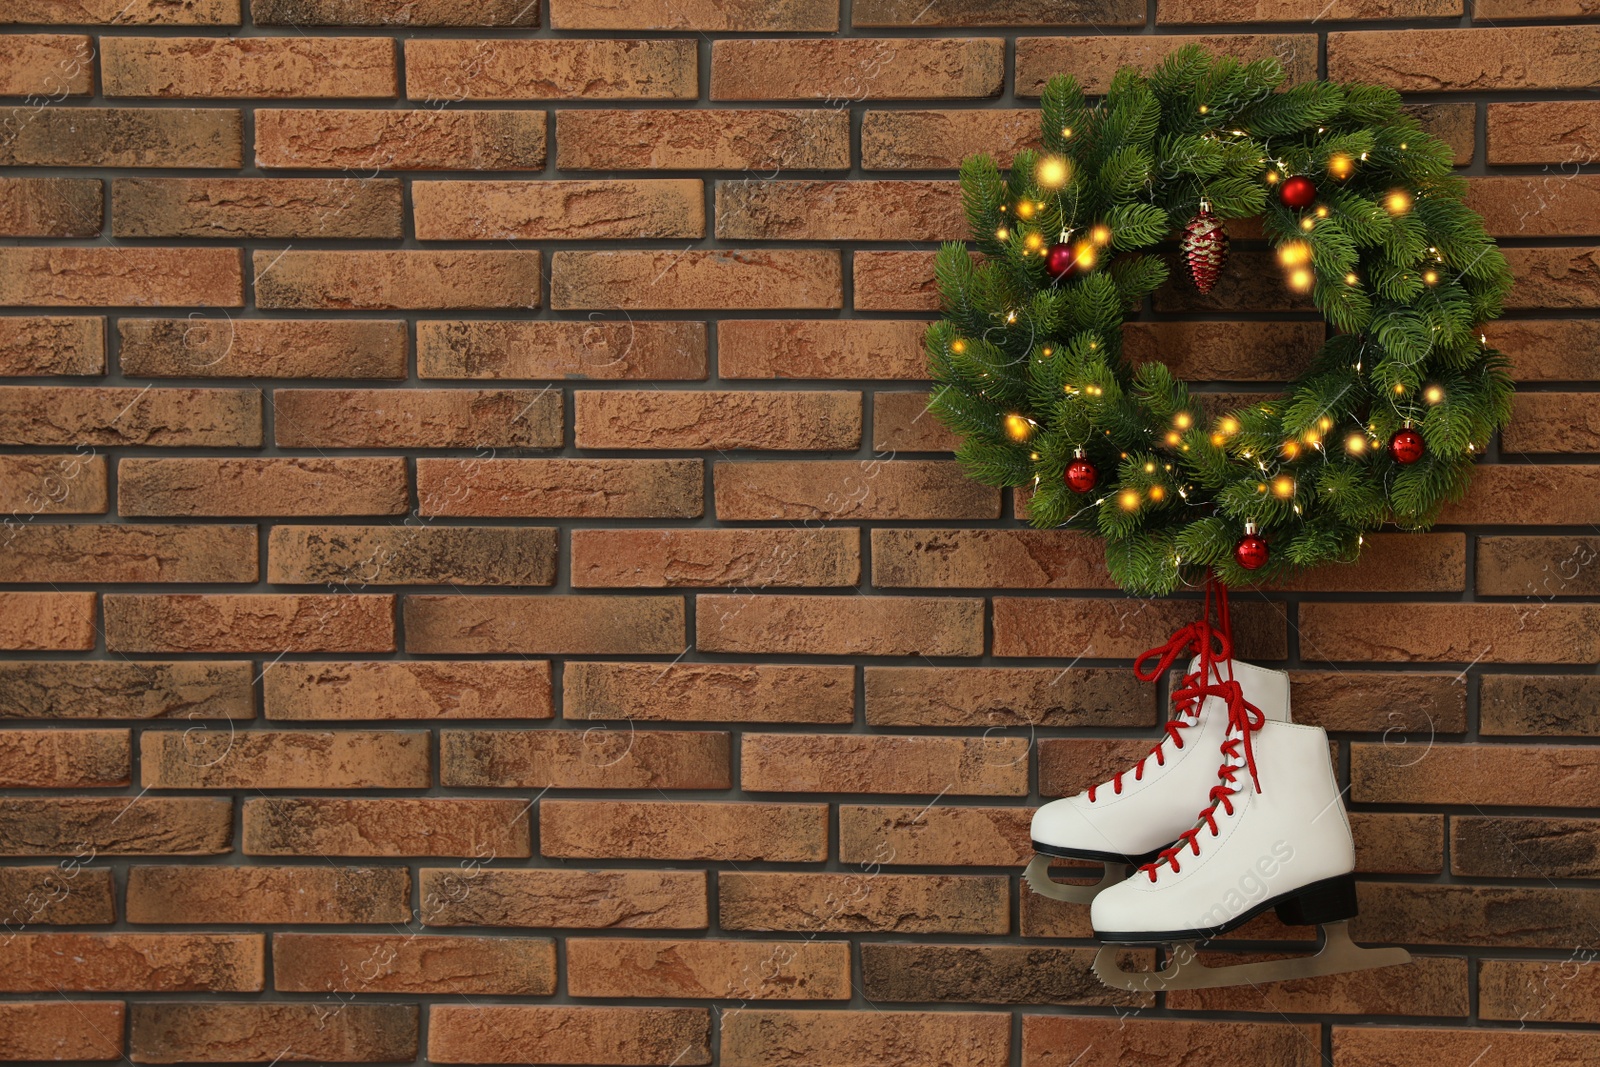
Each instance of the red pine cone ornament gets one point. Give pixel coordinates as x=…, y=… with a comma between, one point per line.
x=1081, y=475
x=1204, y=247
x=1251, y=551
x=1406, y=446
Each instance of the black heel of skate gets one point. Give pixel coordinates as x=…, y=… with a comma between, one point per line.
x=1321, y=902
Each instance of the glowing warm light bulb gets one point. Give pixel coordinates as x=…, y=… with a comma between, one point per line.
x=1398, y=202
x=1340, y=165
x=1291, y=449
x=1294, y=253
x=1052, y=172
x=1229, y=425
x=1174, y=438
x=958, y=346
x=1034, y=242
x=1066, y=131
x=1128, y=499
x=1002, y=233
x=1351, y=279
x=1157, y=493
x=1025, y=210
x=1325, y=424
x=1300, y=280
x=1018, y=428
x=1322, y=212
x=1430, y=277
x=1183, y=420
x=1047, y=351
x=1083, y=254
x=1149, y=468
x=1355, y=444
x=1399, y=388
x=1283, y=487
x=1308, y=224
x=1433, y=394
x=1218, y=440
x=1273, y=177
x=1101, y=235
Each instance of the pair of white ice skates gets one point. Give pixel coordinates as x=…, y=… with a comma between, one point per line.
x=1272, y=833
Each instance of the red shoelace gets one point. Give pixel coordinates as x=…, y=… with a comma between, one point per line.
x=1211, y=643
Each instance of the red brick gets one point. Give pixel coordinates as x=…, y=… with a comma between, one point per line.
x=1553, y=422
x=1536, y=206
x=1093, y=60
x=133, y=963
x=280, y=67
x=1553, y=278
x=719, y=420
x=238, y=208
x=789, y=210
x=1548, y=350
x=1052, y=1040
x=386, y=280
x=1544, y=991
x=751, y=558
x=545, y=898
x=1506, y=10
x=1122, y=628
x=1518, y=847
x=940, y=140
x=920, y=13
x=276, y=623
x=1197, y=12
x=879, y=488
x=683, y=830
x=50, y=207
x=1397, y=843
x=1549, y=57
x=768, y=139
x=739, y=16
x=32, y=622
x=708, y=692
x=343, y=964
x=753, y=1038
x=75, y=414
x=1428, y=985
x=561, y=488
x=397, y=826
x=321, y=893
x=262, y=348
x=865, y=901
x=136, y=277
x=1007, y=696
x=545, y=210
x=596, y=758
x=981, y=559
x=1227, y=351
x=740, y=970
x=545, y=623
x=1550, y=494
x=179, y=1032
x=424, y=139
x=416, y=689
x=992, y=974
x=1537, y=566
x=450, y=71
x=285, y=759
x=692, y=279
x=473, y=1033
x=1546, y=705
x=1389, y=1047
x=854, y=70
x=128, y=552
x=89, y=689
x=52, y=344
x=43, y=484
x=1454, y=633
x=48, y=65
x=63, y=894
x=61, y=1030
x=1544, y=132
x=209, y=137
x=592, y=350
x=901, y=422
x=821, y=348
x=393, y=13
x=1069, y=765
x=1480, y=775
x=1408, y=707
x=851, y=763
x=65, y=759
x=418, y=418
x=839, y=625
x=353, y=557
x=1392, y=562
x=895, y=281
x=122, y=826
x=124, y=13
x=935, y=836
x=1532, y=916
x=367, y=485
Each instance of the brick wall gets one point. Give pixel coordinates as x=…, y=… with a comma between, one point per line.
x=479, y=585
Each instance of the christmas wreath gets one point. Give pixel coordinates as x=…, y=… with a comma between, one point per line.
x=1364, y=214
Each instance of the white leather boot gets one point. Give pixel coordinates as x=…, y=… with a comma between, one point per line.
x=1142, y=810
x=1274, y=836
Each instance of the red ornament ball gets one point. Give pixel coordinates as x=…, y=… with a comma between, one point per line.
x=1251, y=551
x=1061, y=261
x=1297, y=192
x=1081, y=475
x=1406, y=446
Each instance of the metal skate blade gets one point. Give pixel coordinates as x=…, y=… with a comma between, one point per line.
x=1037, y=875
x=1185, y=971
